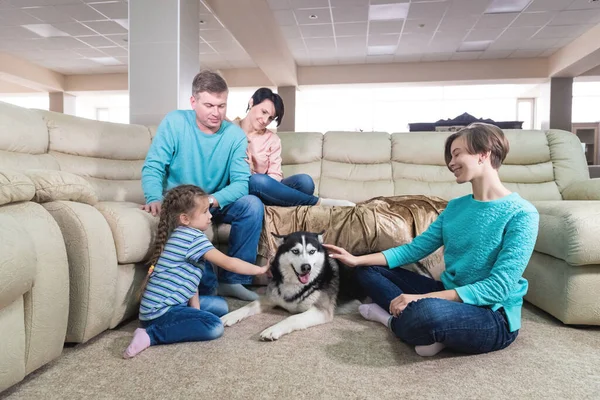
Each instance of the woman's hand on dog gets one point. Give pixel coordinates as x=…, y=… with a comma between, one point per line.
x=341, y=254
x=399, y=303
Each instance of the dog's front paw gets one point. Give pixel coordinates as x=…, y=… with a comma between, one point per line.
x=272, y=333
x=232, y=318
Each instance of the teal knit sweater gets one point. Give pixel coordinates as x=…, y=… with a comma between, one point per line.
x=487, y=245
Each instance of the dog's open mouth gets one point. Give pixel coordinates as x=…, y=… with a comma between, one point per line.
x=303, y=278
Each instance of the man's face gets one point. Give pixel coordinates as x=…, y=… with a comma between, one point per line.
x=210, y=110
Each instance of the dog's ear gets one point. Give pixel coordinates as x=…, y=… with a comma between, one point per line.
x=320, y=236
x=279, y=239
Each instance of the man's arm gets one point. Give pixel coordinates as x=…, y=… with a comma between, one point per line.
x=239, y=173
x=158, y=159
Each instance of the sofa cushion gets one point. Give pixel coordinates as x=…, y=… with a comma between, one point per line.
x=59, y=185
x=133, y=230
x=588, y=189
x=421, y=169
x=12, y=344
x=46, y=305
x=569, y=230
x=129, y=281
x=23, y=130
x=118, y=190
x=22, y=161
x=350, y=172
x=301, y=153
x=88, y=138
x=17, y=263
x=92, y=268
x=14, y=187
x=568, y=159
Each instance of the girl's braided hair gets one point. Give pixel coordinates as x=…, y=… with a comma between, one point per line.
x=177, y=201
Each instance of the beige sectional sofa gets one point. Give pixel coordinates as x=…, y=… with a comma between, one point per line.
x=86, y=191
x=34, y=283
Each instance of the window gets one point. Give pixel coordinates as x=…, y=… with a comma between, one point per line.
x=109, y=106
x=102, y=114
x=390, y=107
x=526, y=112
x=41, y=101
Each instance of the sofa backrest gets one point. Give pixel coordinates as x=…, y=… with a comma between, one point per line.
x=361, y=165
x=301, y=154
x=23, y=139
x=109, y=155
x=348, y=165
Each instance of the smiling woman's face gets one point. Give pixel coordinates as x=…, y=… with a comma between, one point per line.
x=464, y=166
x=261, y=115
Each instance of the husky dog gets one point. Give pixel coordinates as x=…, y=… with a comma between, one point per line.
x=306, y=282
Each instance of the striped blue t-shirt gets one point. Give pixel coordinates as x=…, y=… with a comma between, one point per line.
x=176, y=274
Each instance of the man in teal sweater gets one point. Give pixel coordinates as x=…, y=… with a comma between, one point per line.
x=198, y=147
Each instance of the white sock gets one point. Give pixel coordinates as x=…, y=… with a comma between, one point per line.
x=335, y=202
x=429, y=350
x=373, y=312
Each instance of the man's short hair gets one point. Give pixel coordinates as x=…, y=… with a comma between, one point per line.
x=208, y=81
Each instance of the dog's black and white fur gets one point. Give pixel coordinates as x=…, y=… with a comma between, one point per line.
x=306, y=282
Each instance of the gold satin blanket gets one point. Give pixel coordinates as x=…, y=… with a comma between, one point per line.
x=372, y=226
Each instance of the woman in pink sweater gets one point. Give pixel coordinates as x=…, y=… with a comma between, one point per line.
x=264, y=157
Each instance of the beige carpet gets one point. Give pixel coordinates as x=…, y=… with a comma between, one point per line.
x=348, y=359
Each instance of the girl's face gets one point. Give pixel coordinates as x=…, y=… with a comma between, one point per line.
x=465, y=166
x=261, y=115
x=200, y=216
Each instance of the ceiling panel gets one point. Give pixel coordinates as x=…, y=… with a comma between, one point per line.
x=318, y=32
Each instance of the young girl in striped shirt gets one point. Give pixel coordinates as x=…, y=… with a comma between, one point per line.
x=171, y=311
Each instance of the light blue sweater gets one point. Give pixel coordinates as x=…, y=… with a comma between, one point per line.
x=487, y=246
x=182, y=154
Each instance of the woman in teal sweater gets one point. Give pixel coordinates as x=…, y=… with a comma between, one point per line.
x=488, y=238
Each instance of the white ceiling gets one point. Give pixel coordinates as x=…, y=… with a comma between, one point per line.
x=438, y=30
x=343, y=32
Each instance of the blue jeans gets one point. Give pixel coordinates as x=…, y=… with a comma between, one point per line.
x=246, y=219
x=295, y=190
x=461, y=327
x=187, y=324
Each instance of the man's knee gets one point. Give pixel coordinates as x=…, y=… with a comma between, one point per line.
x=251, y=206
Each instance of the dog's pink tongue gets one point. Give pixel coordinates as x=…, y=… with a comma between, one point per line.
x=304, y=278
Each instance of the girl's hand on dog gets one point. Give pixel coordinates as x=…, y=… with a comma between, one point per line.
x=399, y=303
x=341, y=254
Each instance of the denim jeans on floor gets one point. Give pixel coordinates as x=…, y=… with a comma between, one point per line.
x=187, y=324
x=461, y=327
x=246, y=219
x=295, y=190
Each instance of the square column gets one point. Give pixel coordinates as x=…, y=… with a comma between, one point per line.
x=288, y=95
x=62, y=102
x=164, y=42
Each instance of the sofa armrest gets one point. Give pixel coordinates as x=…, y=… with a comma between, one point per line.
x=18, y=264
x=583, y=190
x=569, y=230
x=15, y=187
x=53, y=185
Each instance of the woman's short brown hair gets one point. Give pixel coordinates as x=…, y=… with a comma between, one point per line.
x=481, y=138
